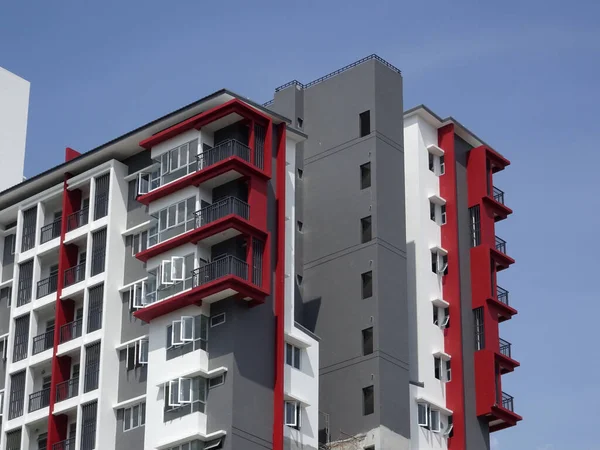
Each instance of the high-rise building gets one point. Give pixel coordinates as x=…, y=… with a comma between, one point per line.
x=315, y=272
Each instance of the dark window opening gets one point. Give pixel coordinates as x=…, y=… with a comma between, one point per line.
x=299, y=279
x=432, y=211
x=474, y=214
x=431, y=162
x=437, y=369
x=367, y=284
x=365, y=123
x=442, y=165
x=365, y=175
x=368, y=400
x=479, y=328
x=367, y=341
x=300, y=173
x=300, y=122
x=300, y=225
x=365, y=227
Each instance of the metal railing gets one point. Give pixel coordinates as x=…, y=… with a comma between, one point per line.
x=94, y=319
x=71, y=330
x=28, y=240
x=498, y=195
x=78, y=219
x=222, y=151
x=39, y=399
x=43, y=342
x=502, y=295
x=500, y=245
x=101, y=206
x=505, y=348
x=21, y=346
x=50, y=231
x=226, y=265
x=67, y=444
x=75, y=274
x=67, y=389
x=222, y=208
x=24, y=292
x=98, y=259
x=15, y=404
x=507, y=402
x=92, y=372
x=47, y=286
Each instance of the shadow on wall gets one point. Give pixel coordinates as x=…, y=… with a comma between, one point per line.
x=411, y=280
x=310, y=314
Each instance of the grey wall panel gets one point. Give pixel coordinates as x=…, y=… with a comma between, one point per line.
x=134, y=268
x=132, y=383
x=289, y=444
x=4, y=314
x=131, y=327
x=7, y=271
x=138, y=161
x=128, y=440
x=2, y=374
x=236, y=188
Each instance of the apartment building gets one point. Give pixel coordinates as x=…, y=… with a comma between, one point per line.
x=244, y=276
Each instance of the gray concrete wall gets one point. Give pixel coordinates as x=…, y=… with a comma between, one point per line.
x=132, y=383
x=5, y=312
x=131, y=327
x=477, y=433
x=134, y=268
x=332, y=253
x=130, y=439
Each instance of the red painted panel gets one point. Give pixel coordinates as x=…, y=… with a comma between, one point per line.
x=71, y=154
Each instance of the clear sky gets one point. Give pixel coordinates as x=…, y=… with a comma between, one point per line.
x=523, y=75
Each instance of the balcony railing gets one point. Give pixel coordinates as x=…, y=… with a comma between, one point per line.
x=92, y=372
x=15, y=404
x=220, y=209
x=67, y=389
x=50, y=231
x=223, y=151
x=502, y=295
x=24, y=292
x=75, y=274
x=94, y=319
x=43, y=342
x=70, y=331
x=507, y=402
x=227, y=265
x=39, y=400
x=505, y=348
x=501, y=245
x=28, y=239
x=67, y=444
x=78, y=219
x=498, y=195
x=47, y=286
x=101, y=206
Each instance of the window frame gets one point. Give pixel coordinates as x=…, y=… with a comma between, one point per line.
x=368, y=409
x=141, y=416
x=187, y=329
x=292, y=407
x=293, y=356
x=420, y=407
x=435, y=425
x=212, y=324
x=365, y=175
x=220, y=377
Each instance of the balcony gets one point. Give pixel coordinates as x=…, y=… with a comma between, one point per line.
x=67, y=444
x=215, y=223
x=225, y=162
x=74, y=274
x=50, y=231
x=78, y=219
x=504, y=359
x=501, y=305
x=47, y=286
x=503, y=415
x=222, y=278
x=503, y=261
x=39, y=400
x=70, y=331
x=43, y=342
x=495, y=201
x=67, y=389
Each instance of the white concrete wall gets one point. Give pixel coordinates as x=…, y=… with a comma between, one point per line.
x=14, y=108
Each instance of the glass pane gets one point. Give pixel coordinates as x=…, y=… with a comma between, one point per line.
x=297, y=357
x=127, y=419
x=171, y=220
x=288, y=354
x=185, y=390
x=174, y=159
x=135, y=415
x=181, y=212
x=162, y=220
x=187, y=333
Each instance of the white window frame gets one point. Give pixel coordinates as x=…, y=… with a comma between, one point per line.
x=295, y=420
x=214, y=445
x=448, y=429
x=212, y=324
x=435, y=424
x=141, y=181
x=443, y=217
x=137, y=301
x=446, y=318
x=173, y=210
x=165, y=272
x=295, y=350
x=141, y=417
x=441, y=165
x=4, y=341
x=441, y=266
x=187, y=325
x=176, y=327
x=144, y=352
x=177, y=262
x=185, y=391
x=426, y=406
x=173, y=390
x=447, y=370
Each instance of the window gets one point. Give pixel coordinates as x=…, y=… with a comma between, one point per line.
x=5, y=295
x=292, y=356
x=439, y=263
x=475, y=226
x=436, y=164
x=365, y=123
x=183, y=391
x=216, y=381
x=443, y=214
x=367, y=341
x=134, y=417
x=292, y=414
x=178, y=158
x=300, y=122
x=3, y=347
x=479, y=328
x=1, y=403
x=432, y=211
x=437, y=213
x=299, y=279
x=431, y=162
x=442, y=369
x=367, y=284
x=423, y=415
x=442, y=165
x=437, y=367
x=139, y=242
x=9, y=249
x=188, y=330
x=136, y=354
x=217, y=320
x=300, y=225
x=365, y=175
x=365, y=229
x=172, y=270
x=434, y=420
x=300, y=173
x=175, y=215
x=368, y=400
x=429, y=417
x=441, y=317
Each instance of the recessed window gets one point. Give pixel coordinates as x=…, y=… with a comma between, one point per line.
x=300, y=122
x=367, y=284
x=436, y=164
x=300, y=173
x=365, y=228
x=479, y=328
x=365, y=123
x=292, y=356
x=443, y=214
x=434, y=420
x=217, y=319
x=292, y=414
x=134, y=416
x=365, y=175
x=368, y=400
x=423, y=415
x=431, y=162
x=474, y=215
x=441, y=317
x=300, y=225
x=439, y=263
x=299, y=280
x=442, y=369
x=367, y=341
x=432, y=211
x=442, y=165
x=216, y=381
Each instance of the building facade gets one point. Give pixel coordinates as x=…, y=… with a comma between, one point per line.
x=315, y=272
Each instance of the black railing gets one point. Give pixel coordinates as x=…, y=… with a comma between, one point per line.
x=28, y=240
x=67, y=389
x=222, y=208
x=71, y=330
x=21, y=346
x=502, y=295
x=47, y=286
x=50, y=231
x=94, y=319
x=500, y=245
x=227, y=265
x=98, y=259
x=43, y=342
x=15, y=405
x=24, y=292
x=507, y=402
x=67, y=444
x=88, y=437
x=92, y=372
x=39, y=400
x=78, y=219
x=101, y=206
x=222, y=151
x=75, y=274
x=498, y=195
x=505, y=348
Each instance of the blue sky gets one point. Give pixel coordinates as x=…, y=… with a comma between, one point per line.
x=521, y=74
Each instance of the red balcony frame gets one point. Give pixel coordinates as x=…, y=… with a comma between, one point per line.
x=503, y=261
x=506, y=417
x=505, y=312
x=500, y=210
x=229, y=222
x=506, y=363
